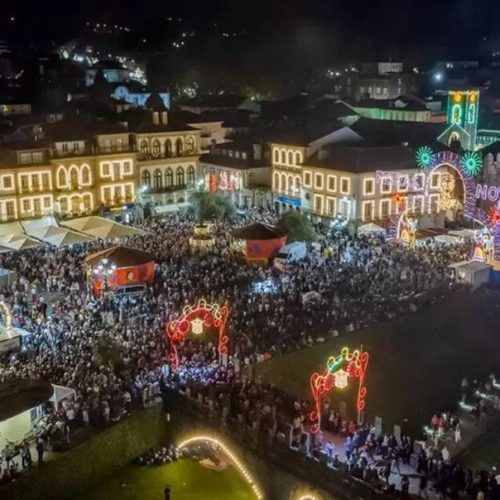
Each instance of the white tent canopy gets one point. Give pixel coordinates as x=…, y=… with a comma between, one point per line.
x=447, y=239
x=11, y=228
x=370, y=228
x=101, y=228
x=18, y=242
x=462, y=233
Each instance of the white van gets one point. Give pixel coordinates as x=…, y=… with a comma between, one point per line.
x=292, y=252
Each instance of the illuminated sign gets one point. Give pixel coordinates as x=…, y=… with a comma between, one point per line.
x=485, y=192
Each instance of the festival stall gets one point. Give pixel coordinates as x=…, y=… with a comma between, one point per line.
x=257, y=242
x=99, y=227
x=371, y=229
x=119, y=266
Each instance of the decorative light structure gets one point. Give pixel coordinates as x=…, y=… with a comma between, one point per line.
x=105, y=269
x=231, y=455
x=472, y=162
x=339, y=369
x=195, y=319
x=425, y=157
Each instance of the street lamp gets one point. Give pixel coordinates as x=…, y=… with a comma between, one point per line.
x=105, y=269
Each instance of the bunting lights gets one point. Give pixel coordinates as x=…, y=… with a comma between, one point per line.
x=339, y=370
x=195, y=319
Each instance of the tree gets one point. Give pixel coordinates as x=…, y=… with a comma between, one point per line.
x=298, y=226
x=211, y=206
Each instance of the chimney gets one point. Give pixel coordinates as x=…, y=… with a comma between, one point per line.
x=156, y=117
x=164, y=117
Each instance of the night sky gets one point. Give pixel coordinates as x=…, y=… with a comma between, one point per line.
x=389, y=26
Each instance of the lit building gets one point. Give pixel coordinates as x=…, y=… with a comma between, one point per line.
x=367, y=183
x=168, y=155
x=240, y=171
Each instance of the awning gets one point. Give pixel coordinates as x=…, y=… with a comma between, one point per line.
x=102, y=228
x=371, y=228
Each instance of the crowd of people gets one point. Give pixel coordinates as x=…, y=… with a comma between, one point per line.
x=111, y=350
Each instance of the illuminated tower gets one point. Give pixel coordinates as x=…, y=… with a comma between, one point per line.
x=461, y=118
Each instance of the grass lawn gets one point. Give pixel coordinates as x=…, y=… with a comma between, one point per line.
x=417, y=361
x=188, y=481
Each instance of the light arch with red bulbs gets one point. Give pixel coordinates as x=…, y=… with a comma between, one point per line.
x=194, y=319
x=339, y=370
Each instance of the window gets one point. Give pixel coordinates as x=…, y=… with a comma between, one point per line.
x=35, y=181
x=332, y=183
x=331, y=206
x=46, y=181
x=307, y=179
x=63, y=204
x=143, y=146
x=190, y=176
x=85, y=171
x=290, y=185
x=190, y=144
x=24, y=182
x=73, y=177
x=179, y=146
x=87, y=202
x=9, y=208
x=127, y=167
x=106, y=194
x=158, y=179
x=76, y=146
x=64, y=147
x=276, y=181
x=297, y=185
x=146, y=178
x=385, y=185
x=433, y=203
x=283, y=157
x=318, y=181
x=385, y=209
x=169, y=178
x=368, y=209
x=368, y=187
x=37, y=206
x=283, y=183
x=179, y=173
x=156, y=148
x=345, y=185
x=61, y=177
x=403, y=183
x=435, y=180
x=418, y=204
x=105, y=169
x=128, y=192
x=37, y=157
x=418, y=182
x=168, y=147
x=25, y=158
x=7, y=182
x=318, y=203
x=276, y=156
x=26, y=205
x=290, y=158
x=47, y=202
x=107, y=145
x=298, y=158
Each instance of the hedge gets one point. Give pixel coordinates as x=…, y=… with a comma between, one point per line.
x=92, y=461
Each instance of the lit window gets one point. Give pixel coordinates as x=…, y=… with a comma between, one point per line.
x=105, y=169
x=385, y=185
x=368, y=186
x=345, y=185
x=403, y=182
x=368, y=209
x=307, y=179
x=47, y=202
x=331, y=206
x=385, y=208
x=7, y=181
x=435, y=180
x=127, y=167
x=318, y=204
x=24, y=182
x=418, y=182
x=318, y=181
x=332, y=183
x=26, y=205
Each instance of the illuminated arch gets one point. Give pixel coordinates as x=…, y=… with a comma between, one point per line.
x=194, y=319
x=74, y=176
x=85, y=175
x=283, y=183
x=276, y=179
x=298, y=158
x=62, y=177
x=232, y=456
x=339, y=369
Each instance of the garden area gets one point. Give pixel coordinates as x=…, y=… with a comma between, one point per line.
x=416, y=362
x=187, y=478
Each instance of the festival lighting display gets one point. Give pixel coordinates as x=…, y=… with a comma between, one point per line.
x=494, y=216
x=339, y=369
x=472, y=162
x=231, y=455
x=425, y=157
x=195, y=319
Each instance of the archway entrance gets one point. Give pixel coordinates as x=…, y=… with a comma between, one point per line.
x=195, y=320
x=237, y=463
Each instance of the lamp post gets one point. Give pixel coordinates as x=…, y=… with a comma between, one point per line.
x=105, y=269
